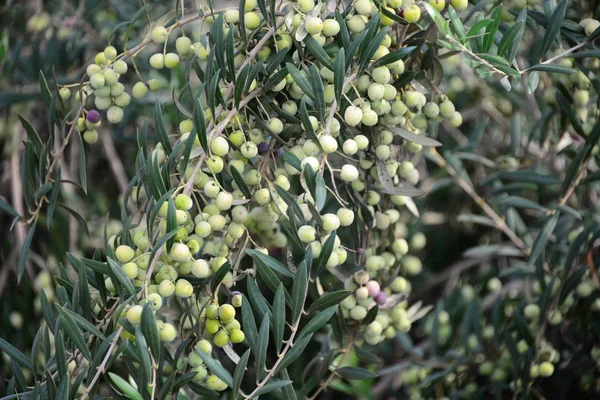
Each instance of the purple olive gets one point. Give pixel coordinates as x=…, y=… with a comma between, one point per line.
x=93, y=116
x=381, y=298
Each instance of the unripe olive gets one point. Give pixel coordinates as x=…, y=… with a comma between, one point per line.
x=166, y=288
x=110, y=53
x=330, y=27
x=134, y=314
x=157, y=61
x=447, y=109
x=226, y=313
x=183, y=289
x=306, y=5
x=346, y=216
x=546, y=369
x=183, y=45
x=358, y=313
x=532, y=311
x=130, y=269
x=494, y=284
x=356, y=24
x=124, y=253
x=412, y=13
x=364, y=7
x=97, y=81
x=168, y=333
x=159, y=34
x=214, y=383
x=237, y=336
x=154, y=85
x=460, y=5
x=114, y=114
x=369, y=118
x=438, y=4
x=64, y=93
x=221, y=338
x=306, y=233
x=155, y=301
x=349, y=173
x=313, y=25
x=585, y=289
x=139, y=90
x=171, y=60
x=381, y=75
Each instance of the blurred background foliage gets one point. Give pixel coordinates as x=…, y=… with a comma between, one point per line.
x=514, y=149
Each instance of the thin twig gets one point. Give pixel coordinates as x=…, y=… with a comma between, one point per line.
x=498, y=221
x=101, y=368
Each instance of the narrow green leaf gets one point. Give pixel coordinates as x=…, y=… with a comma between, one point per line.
x=300, y=80
x=216, y=368
x=519, y=202
x=533, y=79
x=200, y=124
x=258, y=301
x=317, y=52
x=230, y=53
x=271, y=386
x=366, y=356
x=128, y=391
x=159, y=122
x=318, y=321
x=339, y=73
x=328, y=300
x=491, y=29
x=25, y=251
x=32, y=134
x=240, y=84
x=262, y=347
x=374, y=44
x=73, y=332
x=540, y=242
x=270, y=262
x=7, y=209
x=394, y=56
x=241, y=183
x=202, y=390
x=62, y=393
x=171, y=220
x=294, y=353
x=299, y=290
x=219, y=275
x=143, y=356
x=514, y=48
x=553, y=68
x=121, y=279
x=238, y=375
x=324, y=256
x=81, y=322
x=318, y=91
x=249, y=324
x=583, y=154
x=413, y=137
x=82, y=164
x=289, y=200
x=509, y=38
x=553, y=27
x=307, y=125
x=150, y=331
x=15, y=354
x=355, y=373
x=279, y=317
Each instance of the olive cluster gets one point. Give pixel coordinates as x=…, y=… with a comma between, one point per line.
x=214, y=214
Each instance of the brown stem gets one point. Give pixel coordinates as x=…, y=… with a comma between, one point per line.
x=498, y=221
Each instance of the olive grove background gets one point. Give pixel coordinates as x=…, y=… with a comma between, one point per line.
x=509, y=218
